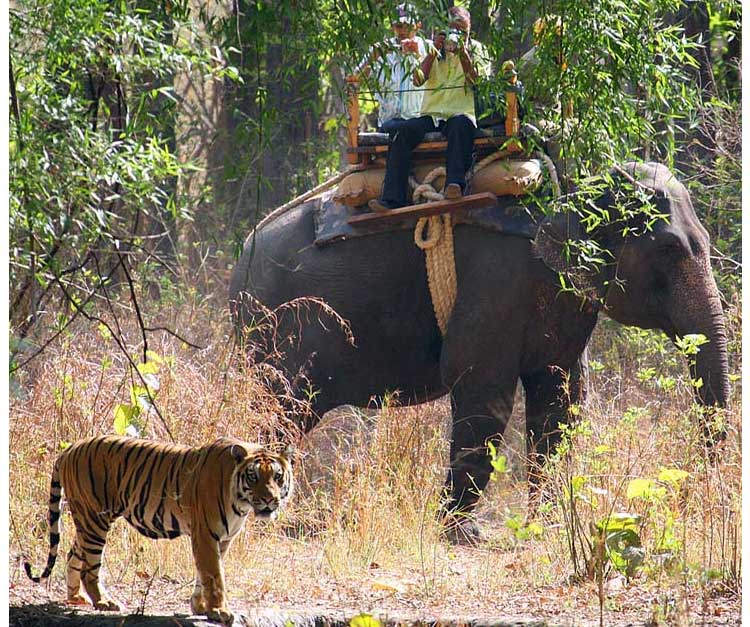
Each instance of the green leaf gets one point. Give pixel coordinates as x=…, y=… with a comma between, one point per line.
x=154, y=357
x=150, y=367
x=500, y=464
x=672, y=475
x=619, y=521
x=639, y=488
x=577, y=483
x=136, y=392
x=644, y=489
x=690, y=344
x=125, y=416
x=535, y=529
x=364, y=620
x=624, y=551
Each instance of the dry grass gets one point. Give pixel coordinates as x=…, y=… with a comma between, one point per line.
x=361, y=534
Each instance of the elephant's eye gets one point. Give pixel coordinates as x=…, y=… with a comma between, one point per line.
x=695, y=246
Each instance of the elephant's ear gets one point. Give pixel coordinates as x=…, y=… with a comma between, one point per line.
x=561, y=244
x=552, y=241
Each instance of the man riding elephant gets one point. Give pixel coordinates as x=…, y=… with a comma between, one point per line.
x=448, y=73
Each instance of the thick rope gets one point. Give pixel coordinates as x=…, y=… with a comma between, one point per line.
x=437, y=243
x=434, y=235
x=441, y=265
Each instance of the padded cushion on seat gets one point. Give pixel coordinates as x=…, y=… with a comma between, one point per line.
x=381, y=139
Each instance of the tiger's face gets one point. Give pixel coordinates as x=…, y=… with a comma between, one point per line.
x=266, y=482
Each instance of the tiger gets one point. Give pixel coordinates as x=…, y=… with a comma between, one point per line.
x=163, y=491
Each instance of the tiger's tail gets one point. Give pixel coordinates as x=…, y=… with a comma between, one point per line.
x=53, y=520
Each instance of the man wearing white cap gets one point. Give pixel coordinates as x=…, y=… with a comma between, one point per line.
x=392, y=63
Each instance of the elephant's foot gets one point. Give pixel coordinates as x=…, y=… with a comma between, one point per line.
x=462, y=530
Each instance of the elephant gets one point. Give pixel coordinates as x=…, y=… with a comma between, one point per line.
x=510, y=319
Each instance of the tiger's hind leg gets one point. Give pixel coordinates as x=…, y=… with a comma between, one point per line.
x=73, y=575
x=91, y=536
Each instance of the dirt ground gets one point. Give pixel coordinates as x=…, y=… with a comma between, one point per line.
x=394, y=596
x=277, y=580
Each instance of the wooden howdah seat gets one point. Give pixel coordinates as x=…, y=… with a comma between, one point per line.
x=504, y=171
x=370, y=148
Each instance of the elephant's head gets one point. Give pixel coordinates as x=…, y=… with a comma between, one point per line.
x=656, y=277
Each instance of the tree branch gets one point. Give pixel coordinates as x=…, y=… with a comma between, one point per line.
x=174, y=334
x=117, y=337
x=134, y=300
x=76, y=313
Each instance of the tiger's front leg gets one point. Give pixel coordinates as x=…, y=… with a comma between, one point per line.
x=197, y=600
x=209, y=596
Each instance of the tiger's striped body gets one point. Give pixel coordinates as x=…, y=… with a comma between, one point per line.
x=163, y=491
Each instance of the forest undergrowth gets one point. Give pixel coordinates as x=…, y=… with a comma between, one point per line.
x=639, y=522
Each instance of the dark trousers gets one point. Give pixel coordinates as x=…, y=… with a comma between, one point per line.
x=406, y=134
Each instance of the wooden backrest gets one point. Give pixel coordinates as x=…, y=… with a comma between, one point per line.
x=512, y=120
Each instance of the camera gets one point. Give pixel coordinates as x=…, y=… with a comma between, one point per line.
x=454, y=40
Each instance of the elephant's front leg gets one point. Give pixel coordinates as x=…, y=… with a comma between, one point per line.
x=550, y=393
x=481, y=411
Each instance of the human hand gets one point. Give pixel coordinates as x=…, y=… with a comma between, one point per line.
x=409, y=45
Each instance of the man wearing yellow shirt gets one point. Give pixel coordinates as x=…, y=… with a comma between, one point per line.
x=448, y=72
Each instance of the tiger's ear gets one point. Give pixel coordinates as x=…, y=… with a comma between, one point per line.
x=289, y=453
x=238, y=453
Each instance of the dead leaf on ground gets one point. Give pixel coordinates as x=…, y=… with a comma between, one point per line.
x=615, y=585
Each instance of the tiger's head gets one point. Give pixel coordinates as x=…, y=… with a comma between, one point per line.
x=264, y=481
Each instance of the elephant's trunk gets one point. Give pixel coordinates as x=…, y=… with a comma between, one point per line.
x=699, y=310
x=712, y=364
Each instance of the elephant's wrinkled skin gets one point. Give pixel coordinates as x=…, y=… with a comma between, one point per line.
x=510, y=319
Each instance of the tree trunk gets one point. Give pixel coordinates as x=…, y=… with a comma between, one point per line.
x=196, y=132
x=293, y=96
